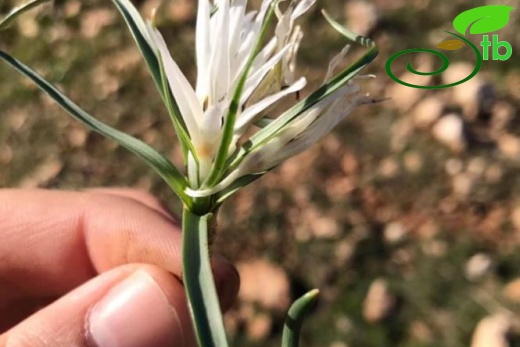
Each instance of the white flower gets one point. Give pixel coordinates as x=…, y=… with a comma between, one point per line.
x=224, y=42
x=226, y=37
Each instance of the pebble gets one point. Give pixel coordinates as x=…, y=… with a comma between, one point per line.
x=492, y=331
x=265, y=284
x=449, y=130
x=378, y=302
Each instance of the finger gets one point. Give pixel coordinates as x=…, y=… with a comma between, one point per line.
x=130, y=306
x=138, y=195
x=227, y=284
x=54, y=241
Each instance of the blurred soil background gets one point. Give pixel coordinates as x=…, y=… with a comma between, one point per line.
x=406, y=217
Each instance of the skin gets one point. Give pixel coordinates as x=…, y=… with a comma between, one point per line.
x=62, y=253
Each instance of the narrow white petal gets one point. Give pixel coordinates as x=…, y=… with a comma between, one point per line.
x=321, y=127
x=262, y=57
x=202, y=48
x=183, y=92
x=220, y=57
x=212, y=123
x=254, y=80
x=289, y=61
x=264, y=54
x=335, y=62
x=302, y=7
x=284, y=27
x=249, y=40
x=192, y=171
x=251, y=112
x=230, y=178
x=237, y=13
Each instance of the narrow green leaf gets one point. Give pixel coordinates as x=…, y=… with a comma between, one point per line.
x=483, y=19
x=17, y=11
x=229, y=125
x=199, y=283
x=263, y=122
x=237, y=185
x=158, y=162
x=352, y=36
x=294, y=320
x=140, y=34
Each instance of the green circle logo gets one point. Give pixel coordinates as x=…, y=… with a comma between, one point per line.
x=449, y=45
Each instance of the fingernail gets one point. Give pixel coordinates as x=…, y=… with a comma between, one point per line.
x=135, y=313
x=227, y=281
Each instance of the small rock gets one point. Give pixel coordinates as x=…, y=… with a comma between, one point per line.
x=265, y=284
x=43, y=174
x=453, y=166
x=395, y=232
x=477, y=266
x=94, y=21
x=378, y=301
x=388, y=168
x=462, y=184
x=362, y=16
x=509, y=145
x=413, y=162
x=512, y=291
x=449, y=130
x=427, y=112
x=476, y=167
x=492, y=331
x=494, y=174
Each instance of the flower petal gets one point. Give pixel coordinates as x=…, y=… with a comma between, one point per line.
x=220, y=58
x=251, y=112
x=302, y=7
x=254, y=80
x=183, y=92
x=335, y=62
x=203, y=48
x=335, y=113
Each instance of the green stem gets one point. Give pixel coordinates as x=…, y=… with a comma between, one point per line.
x=199, y=283
x=294, y=320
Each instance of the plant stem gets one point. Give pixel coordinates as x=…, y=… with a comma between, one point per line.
x=198, y=281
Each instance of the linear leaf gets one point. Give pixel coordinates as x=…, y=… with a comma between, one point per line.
x=294, y=320
x=199, y=283
x=17, y=11
x=140, y=34
x=237, y=185
x=158, y=162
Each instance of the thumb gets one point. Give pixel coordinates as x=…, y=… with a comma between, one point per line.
x=129, y=306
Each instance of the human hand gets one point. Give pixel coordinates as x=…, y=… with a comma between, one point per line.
x=98, y=268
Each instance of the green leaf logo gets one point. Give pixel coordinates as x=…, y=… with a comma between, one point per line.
x=483, y=20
